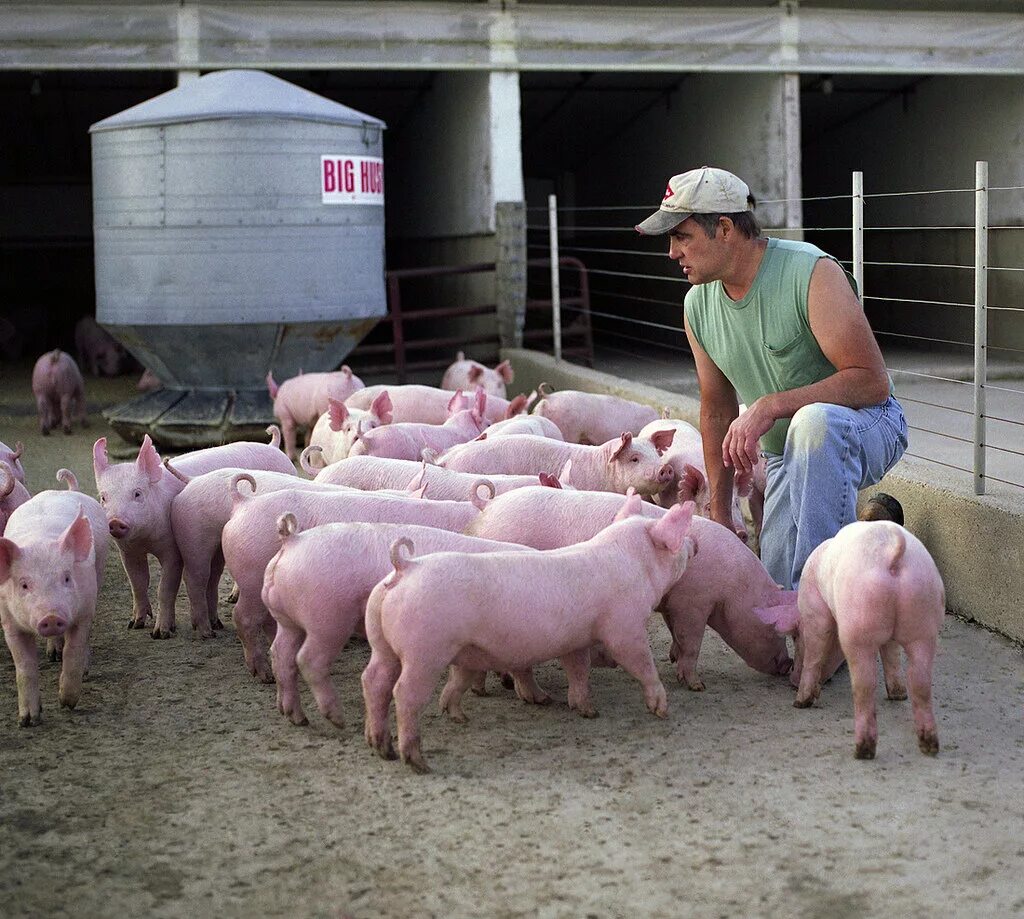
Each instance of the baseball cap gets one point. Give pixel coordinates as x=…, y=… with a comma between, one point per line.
x=707, y=190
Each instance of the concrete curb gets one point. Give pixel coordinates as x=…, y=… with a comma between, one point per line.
x=977, y=542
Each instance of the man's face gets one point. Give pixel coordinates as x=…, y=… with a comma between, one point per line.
x=701, y=258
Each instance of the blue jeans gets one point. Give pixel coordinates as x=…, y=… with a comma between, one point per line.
x=811, y=488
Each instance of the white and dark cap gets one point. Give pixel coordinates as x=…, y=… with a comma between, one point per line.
x=700, y=191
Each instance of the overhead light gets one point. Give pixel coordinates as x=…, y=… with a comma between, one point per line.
x=827, y=86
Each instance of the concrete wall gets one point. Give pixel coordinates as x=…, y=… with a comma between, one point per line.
x=932, y=142
x=736, y=121
x=977, y=542
x=460, y=154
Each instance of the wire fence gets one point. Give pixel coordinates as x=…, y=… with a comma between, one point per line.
x=928, y=303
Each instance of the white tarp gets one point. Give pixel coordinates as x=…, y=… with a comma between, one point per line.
x=441, y=36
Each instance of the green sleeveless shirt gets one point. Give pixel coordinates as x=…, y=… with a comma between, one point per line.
x=763, y=343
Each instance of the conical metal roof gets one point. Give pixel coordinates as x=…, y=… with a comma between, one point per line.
x=235, y=94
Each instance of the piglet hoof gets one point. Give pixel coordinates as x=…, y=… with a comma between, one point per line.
x=799, y=702
x=45, y=432
x=414, y=759
x=216, y=624
x=159, y=633
x=298, y=718
x=263, y=672
x=30, y=721
x=66, y=428
x=137, y=623
x=657, y=704
x=694, y=684
x=585, y=711
x=54, y=654
x=380, y=744
x=865, y=749
x=896, y=693
x=335, y=719
x=507, y=680
x=68, y=701
x=928, y=743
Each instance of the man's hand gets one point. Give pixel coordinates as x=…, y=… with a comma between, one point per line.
x=740, y=447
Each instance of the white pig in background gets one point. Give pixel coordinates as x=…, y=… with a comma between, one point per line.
x=59, y=389
x=337, y=429
x=300, y=401
x=592, y=418
x=98, y=351
x=466, y=374
x=871, y=588
x=52, y=555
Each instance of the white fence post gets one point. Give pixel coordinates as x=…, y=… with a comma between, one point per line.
x=980, y=319
x=556, y=293
x=858, y=232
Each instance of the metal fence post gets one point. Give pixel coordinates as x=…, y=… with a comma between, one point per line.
x=556, y=288
x=510, y=271
x=980, y=319
x=858, y=232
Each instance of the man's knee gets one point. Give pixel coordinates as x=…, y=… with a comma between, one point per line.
x=817, y=426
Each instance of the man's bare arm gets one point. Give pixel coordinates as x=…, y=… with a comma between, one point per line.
x=718, y=407
x=845, y=338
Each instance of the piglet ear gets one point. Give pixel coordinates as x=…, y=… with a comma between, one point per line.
x=382, y=407
x=505, y=371
x=338, y=411
x=481, y=402
x=9, y=553
x=783, y=613
x=100, y=463
x=690, y=482
x=662, y=440
x=564, y=473
x=671, y=530
x=272, y=387
x=624, y=443
x=457, y=403
x=548, y=480
x=631, y=507
x=148, y=461
x=743, y=482
x=460, y=356
x=345, y=369
x=475, y=373
x=77, y=538
x=517, y=406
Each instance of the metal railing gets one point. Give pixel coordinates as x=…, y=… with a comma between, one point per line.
x=628, y=277
x=411, y=330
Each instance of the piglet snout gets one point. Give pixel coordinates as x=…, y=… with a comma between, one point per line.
x=666, y=473
x=51, y=626
x=118, y=528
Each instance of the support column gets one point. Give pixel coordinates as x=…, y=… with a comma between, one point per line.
x=188, y=41
x=506, y=161
x=510, y=271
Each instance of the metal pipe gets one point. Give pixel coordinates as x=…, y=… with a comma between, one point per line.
x=556, y=306
x=858, y=232
x=980, y=318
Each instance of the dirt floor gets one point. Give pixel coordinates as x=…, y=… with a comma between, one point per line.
x=176, y=789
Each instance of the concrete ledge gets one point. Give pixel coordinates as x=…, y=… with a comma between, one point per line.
x=977, y=542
